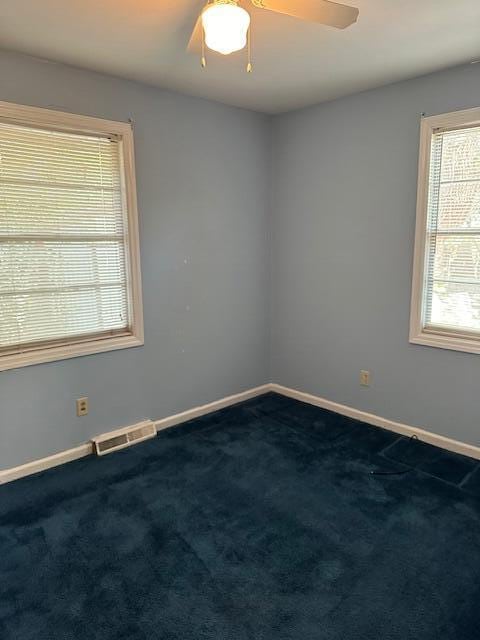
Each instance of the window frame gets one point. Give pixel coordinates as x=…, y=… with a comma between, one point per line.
x=61, y=349
x=419, y=334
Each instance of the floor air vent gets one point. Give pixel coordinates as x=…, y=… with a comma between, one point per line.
x=121, y=438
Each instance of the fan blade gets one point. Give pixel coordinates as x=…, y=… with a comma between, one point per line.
x=323, y=11
x=195, y=42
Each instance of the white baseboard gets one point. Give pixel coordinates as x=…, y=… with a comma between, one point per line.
x=398, y=427
x=202, y=410
x=42, y=464
x=85, y=449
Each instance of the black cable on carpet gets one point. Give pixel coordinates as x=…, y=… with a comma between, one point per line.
x=396, y=473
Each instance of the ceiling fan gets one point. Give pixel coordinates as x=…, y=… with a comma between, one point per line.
x=224, y=26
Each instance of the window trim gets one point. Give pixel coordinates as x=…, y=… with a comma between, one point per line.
x=74, y=347
x=419, y=334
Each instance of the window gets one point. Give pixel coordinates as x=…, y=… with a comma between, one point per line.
x=446, y=279
x=69, y=261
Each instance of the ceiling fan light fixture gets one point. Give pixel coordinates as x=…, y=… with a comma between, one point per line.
x=225, y=25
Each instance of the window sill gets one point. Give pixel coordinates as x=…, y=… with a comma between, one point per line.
x=447, y=341
x=63, y=352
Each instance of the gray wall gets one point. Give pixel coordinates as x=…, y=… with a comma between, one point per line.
x=202, y=198
x=343, y=213
x=311, y=213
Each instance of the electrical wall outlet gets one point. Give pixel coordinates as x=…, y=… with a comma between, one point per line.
x=82, y=406
x=365, y=378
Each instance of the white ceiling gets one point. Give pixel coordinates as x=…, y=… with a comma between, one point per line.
x=295, y=63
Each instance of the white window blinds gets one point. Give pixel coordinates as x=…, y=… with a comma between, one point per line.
x=452, y=274
x=63, y=237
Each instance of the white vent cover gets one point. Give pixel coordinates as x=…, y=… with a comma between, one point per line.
x=121, y=438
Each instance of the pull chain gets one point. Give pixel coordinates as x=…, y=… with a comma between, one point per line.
x=203, y=60
x=249, y=50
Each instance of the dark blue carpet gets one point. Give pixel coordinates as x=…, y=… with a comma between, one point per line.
x=258, y=522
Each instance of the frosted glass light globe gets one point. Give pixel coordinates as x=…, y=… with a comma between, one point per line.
x=225, y=27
